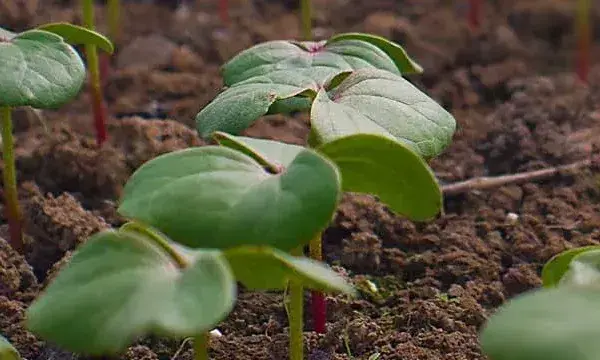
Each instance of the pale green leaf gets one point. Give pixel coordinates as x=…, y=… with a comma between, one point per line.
x=121, y=285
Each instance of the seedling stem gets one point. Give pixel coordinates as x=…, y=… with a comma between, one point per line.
x=10, y=182
x=474, y=14
x=319, y=306
x=201, y=347
x=224, y=11
x=296, y=316
x=584, y=35
x=114, y=17
x=306, y=17
x=95, y=86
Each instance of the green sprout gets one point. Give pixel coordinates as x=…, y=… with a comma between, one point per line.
x=202, y=219
x=7, y=351
x=373, y=124
x=559, y=321
x=39, y=69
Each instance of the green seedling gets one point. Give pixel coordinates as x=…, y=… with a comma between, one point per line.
x=39, y=69
x=225, y=214
x=559, y=321
x=372, y=123
x=7, y=351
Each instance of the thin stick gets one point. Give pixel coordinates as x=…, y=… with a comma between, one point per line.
x=91, y=52
x=306, y=18
x=319, y=306
x=296, y=317
x=485, y=182
x=11, y=198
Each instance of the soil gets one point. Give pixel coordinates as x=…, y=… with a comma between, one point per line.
x=425, y=288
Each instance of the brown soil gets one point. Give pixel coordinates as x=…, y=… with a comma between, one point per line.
x=518, y=105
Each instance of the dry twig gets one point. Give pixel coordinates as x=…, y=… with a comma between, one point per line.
x=491, y=182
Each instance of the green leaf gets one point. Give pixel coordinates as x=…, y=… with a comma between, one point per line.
x=584, y=270
x=368, y=164
x=403, y=62
x=548, y=324
x=7, y=351
x=323, y=59
x=290, y=105
x=79, y=35
x=377, y=102
x=121, y=285
x=398, y=176
x=216, y=197
x=268, y=153
x=558, y=265
x=39, y=69
x=262, y=268
x=239, y=106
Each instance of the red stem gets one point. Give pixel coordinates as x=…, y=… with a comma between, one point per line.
x=224, y=11
x=584, y=40
x=319, y=311
x=474, y=14
x=99, y=115
x=104, y=68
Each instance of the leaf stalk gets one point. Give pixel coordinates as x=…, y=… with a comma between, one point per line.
x=201, y=347
x=296, y=316
x=11, y=198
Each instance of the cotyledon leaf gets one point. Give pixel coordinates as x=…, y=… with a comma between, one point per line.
x=403, y=62
x=373, y=101
x=558, y=265
x=398, y=176
x=369, y=164
x=216, y=197
x=583, y=271
x=79, y=35
x=263, y=268
x=547, y=324
x=120, y=285
x=39, y=69
x=7, y=351
x=237, y=107
x=323, y=59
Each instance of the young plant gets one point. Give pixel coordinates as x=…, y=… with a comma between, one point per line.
x=559, y=321
x=584, y=38
x=7, y=351
x=181, y=281
x=39, y=69
x=364, y=116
